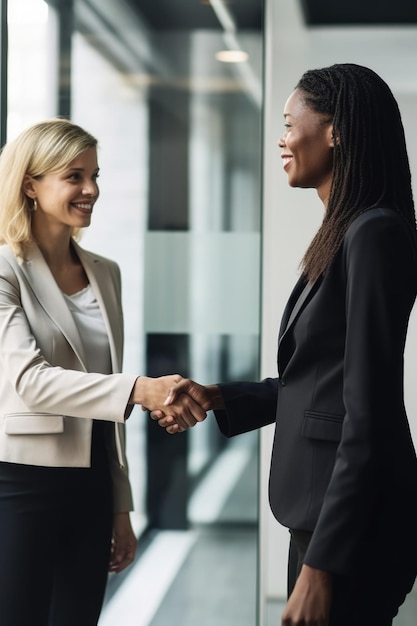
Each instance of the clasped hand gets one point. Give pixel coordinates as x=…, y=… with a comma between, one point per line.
x=186, y=403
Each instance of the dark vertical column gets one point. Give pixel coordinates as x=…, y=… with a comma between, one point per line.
x=167, y=484
x=168, y=160
x=3, y=71
x=65, y=10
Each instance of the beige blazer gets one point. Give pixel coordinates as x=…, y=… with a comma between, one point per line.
x=47, y=398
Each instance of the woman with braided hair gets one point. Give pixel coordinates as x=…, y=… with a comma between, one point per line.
x=344, y=471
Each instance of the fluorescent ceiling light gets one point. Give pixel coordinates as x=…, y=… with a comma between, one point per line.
x=232, y=56
x=234, y=51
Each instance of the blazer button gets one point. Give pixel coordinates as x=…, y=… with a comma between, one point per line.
x=282, y=381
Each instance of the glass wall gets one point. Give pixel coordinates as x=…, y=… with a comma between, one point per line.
x=180, y=158
x=180, y=178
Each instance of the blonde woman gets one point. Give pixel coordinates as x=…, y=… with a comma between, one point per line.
x=64, y=490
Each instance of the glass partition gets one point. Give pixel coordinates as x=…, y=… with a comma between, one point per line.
x=180, y=157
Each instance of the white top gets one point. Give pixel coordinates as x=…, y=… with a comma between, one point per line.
x=89, y=321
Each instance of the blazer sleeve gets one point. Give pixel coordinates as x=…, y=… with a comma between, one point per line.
x=45, y=388
x=380, y=273
x=248, y=406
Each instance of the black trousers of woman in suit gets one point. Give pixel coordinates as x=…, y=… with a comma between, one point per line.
x=55, y=539
x=364, y=598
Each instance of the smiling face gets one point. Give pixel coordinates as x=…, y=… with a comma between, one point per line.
x=65, y=198
x=307, y=146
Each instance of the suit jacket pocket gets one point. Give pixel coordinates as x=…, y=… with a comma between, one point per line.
x=323, y=426
x=33, y=424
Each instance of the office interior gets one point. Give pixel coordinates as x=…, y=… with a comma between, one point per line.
x=186, y=98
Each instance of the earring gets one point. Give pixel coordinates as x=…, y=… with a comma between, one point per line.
x=35, y=205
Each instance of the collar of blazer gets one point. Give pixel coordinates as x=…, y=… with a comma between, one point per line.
x=302, y=293
x=50, y=297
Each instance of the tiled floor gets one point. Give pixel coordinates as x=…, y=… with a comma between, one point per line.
x=207, y=575
x=217, y=583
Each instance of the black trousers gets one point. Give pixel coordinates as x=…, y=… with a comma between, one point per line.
x=370, y=596
x=55, y=539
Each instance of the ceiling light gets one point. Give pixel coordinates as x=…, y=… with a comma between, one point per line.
x=232, y=56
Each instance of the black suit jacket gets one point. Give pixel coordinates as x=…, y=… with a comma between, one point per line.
x=343, y=462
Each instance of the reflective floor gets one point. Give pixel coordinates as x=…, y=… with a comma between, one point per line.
x=215, y=578
x=206, y=575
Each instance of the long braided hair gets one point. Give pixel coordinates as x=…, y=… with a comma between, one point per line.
x=370, y=166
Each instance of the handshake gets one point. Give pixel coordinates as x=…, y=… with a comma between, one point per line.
x=176, y=403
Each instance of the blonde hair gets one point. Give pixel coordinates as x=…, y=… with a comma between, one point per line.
x=46, y=147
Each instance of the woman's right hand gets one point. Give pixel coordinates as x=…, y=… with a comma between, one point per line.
x=207, y=397
x=152, y=393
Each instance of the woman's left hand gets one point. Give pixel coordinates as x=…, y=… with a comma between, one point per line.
x=309, y=604
x=123, y=543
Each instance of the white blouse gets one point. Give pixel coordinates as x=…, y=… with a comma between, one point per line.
x=89, y=321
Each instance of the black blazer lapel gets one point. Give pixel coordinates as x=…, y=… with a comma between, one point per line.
x=292, y=300
x=301, y=295
x=298, y=306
